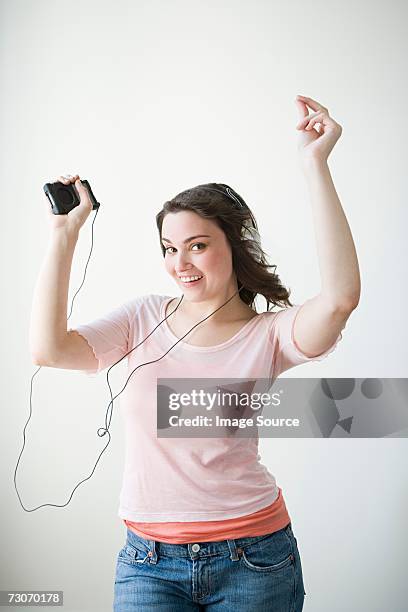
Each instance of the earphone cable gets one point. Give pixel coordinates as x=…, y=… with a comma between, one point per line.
x=110, y=406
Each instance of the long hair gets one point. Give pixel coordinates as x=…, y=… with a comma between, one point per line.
x=239, y=225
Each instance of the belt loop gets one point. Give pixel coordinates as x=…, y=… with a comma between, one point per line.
x=152, y=554
x=234, y=556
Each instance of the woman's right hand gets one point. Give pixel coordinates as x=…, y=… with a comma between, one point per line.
x=74, y=220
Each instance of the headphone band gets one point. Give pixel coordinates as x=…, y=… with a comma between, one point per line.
x=237, y=203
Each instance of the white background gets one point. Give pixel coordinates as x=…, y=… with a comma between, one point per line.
x=146, y=99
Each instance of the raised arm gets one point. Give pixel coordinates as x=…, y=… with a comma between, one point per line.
x=48, y=325
x=321, y=318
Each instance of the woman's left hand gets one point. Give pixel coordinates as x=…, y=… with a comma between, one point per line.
x=316, y=144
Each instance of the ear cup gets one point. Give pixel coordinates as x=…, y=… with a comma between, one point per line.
x=248, y=232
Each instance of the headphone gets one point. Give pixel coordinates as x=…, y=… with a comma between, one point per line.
x=248, y=231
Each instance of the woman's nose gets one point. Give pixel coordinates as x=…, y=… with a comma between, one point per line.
x=181, y=261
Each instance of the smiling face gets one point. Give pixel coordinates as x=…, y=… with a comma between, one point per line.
x=196, y=246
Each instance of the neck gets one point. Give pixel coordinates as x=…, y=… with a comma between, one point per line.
x=195, y=311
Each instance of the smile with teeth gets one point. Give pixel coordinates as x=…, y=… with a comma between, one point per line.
x=190, y=279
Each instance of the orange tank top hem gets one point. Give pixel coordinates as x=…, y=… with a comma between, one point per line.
x=264, y=521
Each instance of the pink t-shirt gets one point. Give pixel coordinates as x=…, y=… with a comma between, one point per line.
x=189, y=479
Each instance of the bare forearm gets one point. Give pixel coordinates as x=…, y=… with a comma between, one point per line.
x=48, y=324
x=338, y=263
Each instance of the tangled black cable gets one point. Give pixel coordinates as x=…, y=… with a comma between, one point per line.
x=105, y=430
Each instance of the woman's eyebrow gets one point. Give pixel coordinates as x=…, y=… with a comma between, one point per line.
x=189, y=239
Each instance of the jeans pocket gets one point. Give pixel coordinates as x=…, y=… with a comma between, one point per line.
x=133, y=554
x=272, y=554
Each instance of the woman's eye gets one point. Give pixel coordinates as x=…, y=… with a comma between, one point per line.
x=195, y=244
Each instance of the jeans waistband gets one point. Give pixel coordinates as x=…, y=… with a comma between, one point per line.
x=196, y=549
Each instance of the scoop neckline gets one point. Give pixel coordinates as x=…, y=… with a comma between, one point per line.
x=206, y=349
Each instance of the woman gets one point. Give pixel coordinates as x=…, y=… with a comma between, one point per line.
x=207, y=526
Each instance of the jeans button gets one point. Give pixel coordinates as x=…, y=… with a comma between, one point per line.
x=195, y=547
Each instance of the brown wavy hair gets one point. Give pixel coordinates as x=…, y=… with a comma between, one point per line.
x=248, y=258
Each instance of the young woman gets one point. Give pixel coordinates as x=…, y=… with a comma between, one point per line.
x=207, y=526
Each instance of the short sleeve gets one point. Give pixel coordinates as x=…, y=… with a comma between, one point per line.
x=287, y=354
x=108, y=336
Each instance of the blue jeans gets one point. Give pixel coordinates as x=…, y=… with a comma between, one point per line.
x=262, y=573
